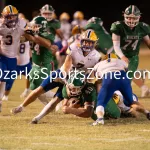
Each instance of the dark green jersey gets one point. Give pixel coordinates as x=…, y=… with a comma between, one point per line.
x=130, y=39
x=53, y=25
x=88, y=94
x=104, y=38
x=40, y=54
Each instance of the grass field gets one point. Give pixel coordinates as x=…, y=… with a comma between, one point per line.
x=67, y=132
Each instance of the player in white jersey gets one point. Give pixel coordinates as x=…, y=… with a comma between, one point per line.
x=80, y=57
x=78, y=19
x=11, y=29
x=23, y=68
x=114, y=75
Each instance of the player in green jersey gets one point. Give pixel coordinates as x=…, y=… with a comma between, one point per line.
x=127, y=36
x=47, y=11
x=104, y=43
x=42, y=56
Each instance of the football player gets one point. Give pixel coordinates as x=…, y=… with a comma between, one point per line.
x=127, y=36
x=47, y=11
x=82, y=56
x=104, y=43
x=112, y=71
x=80, y=98
x=23, y=68
x=78, y=19
x=11, y=29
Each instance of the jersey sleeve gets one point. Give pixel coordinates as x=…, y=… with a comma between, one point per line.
x=90, y=93
x=64, y=92
x=146, y=28
x=88, y=26
x=115, y=27
x=57, y=25
x=22, y=25
x=48, y=36
x=71, y=49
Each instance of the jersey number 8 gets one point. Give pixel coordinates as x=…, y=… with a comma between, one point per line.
x=22, y=48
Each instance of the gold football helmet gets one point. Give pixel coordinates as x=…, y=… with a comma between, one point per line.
x=78, y=15
x=64, y=16
x=77, y=30
x=10, y=15
x=88, y=40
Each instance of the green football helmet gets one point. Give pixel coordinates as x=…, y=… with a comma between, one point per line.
x=38, y=24
x=96, y=20
x=75, y=84
x=132, y=16
x=47, y=11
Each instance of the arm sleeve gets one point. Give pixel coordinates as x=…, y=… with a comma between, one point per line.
x=116, y=44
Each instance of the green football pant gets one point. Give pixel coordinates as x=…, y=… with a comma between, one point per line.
x=133, y=65
x=111, y=111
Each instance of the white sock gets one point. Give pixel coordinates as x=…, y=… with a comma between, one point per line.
x=2, y=89
x=44, y=112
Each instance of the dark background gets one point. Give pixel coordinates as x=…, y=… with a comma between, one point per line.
x=109, y=11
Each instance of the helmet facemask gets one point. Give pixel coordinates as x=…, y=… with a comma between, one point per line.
x=87, y=45
x=131, y=20
x=48, y=15
x=47, y=11
x=35, y=27
x=73, y=90
x=132, y=16
x=11, y=20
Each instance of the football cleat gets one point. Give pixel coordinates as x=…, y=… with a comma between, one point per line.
x=148, y=116
x=17, y=110
x=5, y=98
x=34, y=121
x=25, y=93
x=99, y=121
x=145, y=92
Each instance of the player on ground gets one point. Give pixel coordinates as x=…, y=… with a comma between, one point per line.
x=127, y=36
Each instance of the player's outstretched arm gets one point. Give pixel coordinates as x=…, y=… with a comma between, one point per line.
x=84, y=112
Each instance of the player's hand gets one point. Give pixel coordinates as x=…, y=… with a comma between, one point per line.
x=74, y=103
x=65, y=109
x=54, y=49
x=29, y=31
x=124, y=58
